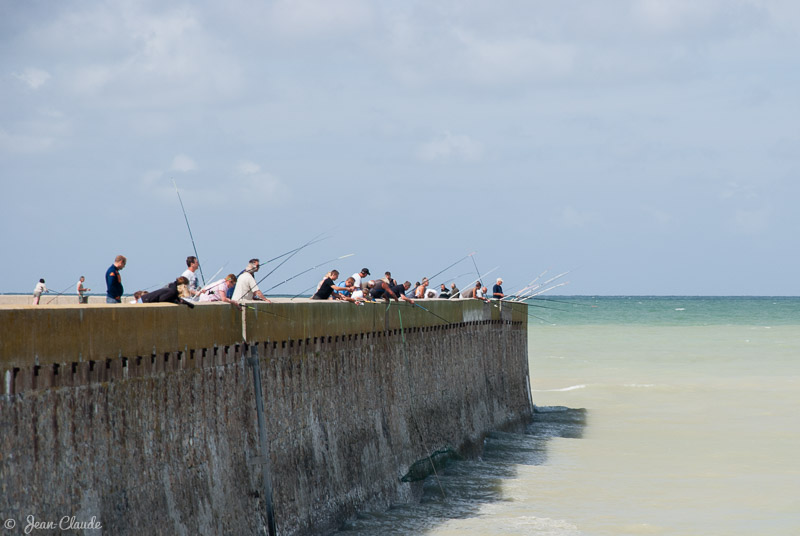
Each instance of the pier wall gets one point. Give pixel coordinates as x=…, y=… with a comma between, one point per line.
x=144, y=418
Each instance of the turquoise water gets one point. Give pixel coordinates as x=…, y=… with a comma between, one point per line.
x=657, y=415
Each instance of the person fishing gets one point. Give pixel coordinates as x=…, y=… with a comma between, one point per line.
x=246, y=287
x=175, y=292
x=383, y=290
x=328, y=287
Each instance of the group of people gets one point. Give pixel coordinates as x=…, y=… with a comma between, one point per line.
x=358, y=289
x=234, y=289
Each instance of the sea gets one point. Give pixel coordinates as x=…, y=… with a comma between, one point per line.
x=654, y=416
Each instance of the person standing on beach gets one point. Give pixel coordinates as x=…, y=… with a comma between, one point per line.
x=82, y=297
x=38, y=291
x=114, y=280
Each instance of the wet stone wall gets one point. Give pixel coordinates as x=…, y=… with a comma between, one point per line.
x=168, y=442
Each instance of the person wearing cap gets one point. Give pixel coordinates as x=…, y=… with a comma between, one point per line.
x=358, y=279
x=497, y=290
x=246, y=287
x=218, y=290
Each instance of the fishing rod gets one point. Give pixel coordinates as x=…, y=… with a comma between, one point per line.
x=529, y=285
x=454, y=278
x=567, y=302
x=467, y=287
x=190, y=231
x=431, y=312
x=475, y=264
x=206, y=287
x=296, y=251
x=549, y=289
x=57, y=294
x=302, y=292
x=312, y=268
x=459, y=260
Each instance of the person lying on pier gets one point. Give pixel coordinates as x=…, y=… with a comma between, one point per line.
x=218, y=291
x=246, y=287
x=327, y=287
x=172, y=293
x=382, y=290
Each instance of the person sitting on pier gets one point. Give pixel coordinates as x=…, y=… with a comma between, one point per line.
x=328, y=287
x=246, y=287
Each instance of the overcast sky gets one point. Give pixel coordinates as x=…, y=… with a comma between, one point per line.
x=651, y=146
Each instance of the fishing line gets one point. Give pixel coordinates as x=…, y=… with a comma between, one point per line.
x=458, y=261
x=312, y=268
x=296, y=251
x=57, y=294
x=190, y=232
x=413, y=397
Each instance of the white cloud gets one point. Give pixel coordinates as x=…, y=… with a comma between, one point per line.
x=183, y=164
x=33, y=77
x=451, y=147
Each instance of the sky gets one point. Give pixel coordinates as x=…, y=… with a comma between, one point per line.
x=646, y=147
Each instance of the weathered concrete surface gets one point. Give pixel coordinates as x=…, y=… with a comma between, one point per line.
x=144, y=416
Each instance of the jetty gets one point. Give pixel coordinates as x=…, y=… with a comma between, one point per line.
x=291, y=416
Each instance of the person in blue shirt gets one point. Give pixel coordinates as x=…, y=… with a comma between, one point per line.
x=114, y=288
x=497, y=290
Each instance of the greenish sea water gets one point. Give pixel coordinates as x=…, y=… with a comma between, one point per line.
x=657, y=415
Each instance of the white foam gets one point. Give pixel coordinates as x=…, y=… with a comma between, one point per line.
x=570, y=388
x=640, y=385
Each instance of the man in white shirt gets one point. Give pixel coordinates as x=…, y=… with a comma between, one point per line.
x=82, y=297
x=191, y=274
x=359, y=282
x=246, y=287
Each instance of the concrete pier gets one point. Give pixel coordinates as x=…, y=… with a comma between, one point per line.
x=143, y=417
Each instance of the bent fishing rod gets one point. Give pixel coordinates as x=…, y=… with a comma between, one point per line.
x=190, y=231
x=308, y=270
x=534, y=288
